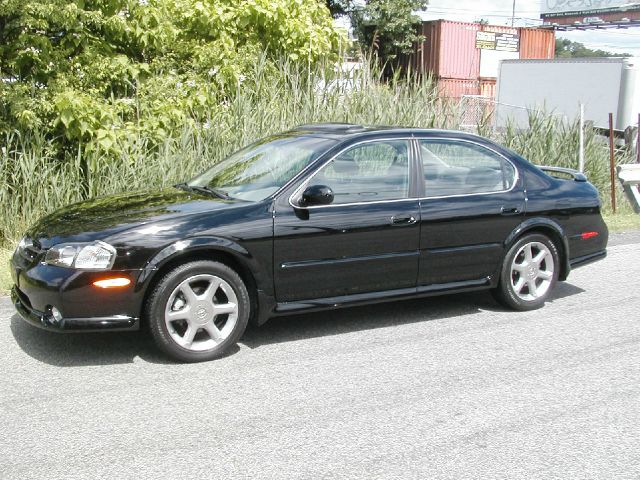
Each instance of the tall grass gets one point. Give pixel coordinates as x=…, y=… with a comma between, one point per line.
x=35, y=181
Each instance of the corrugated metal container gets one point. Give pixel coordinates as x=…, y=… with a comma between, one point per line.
x=459, y=57
x=499, y=29
x=450, y=55
x=449, y=50
x=488, y=87
x=537, y=43
x=455, y=87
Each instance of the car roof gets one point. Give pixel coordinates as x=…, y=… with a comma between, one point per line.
x=341, y=131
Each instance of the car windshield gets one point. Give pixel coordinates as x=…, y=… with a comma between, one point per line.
x=259, y=170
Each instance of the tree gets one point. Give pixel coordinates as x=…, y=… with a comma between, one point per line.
x=339, y=8
x=567, y=49
x=90, y=70
x=388, y=27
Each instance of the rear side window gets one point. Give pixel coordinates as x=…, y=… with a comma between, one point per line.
x=460, y=168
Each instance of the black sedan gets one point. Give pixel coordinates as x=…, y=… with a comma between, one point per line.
x=320, y=217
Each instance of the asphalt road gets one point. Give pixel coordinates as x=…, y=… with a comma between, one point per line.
x=453, y=387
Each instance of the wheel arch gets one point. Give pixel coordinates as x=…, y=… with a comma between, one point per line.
x=550, y=229
x=211, y=248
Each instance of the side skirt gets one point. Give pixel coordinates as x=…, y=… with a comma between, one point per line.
x=287, y=308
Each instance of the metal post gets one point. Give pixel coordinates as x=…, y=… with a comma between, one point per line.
x=612, y=166
x=513, y=12
x=581, y=136
x=638, y=142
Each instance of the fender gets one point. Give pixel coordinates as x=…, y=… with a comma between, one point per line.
x=189, y=245
x=537, y=222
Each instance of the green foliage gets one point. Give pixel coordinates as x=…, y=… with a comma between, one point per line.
x=385, y=27
x=34, y=180
x=388, y=27
x=567, y=49
x=338, y=8
x=95, y=72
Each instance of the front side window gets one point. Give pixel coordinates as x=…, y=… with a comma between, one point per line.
x=368, y=172
x=259, y=170
x=457, y=168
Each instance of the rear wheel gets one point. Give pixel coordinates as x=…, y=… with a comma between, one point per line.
x=529, y=273
x=198, y=311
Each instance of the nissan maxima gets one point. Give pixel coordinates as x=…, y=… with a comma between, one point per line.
x=320, y=217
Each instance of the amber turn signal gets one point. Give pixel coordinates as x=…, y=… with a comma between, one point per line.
x=112, y=282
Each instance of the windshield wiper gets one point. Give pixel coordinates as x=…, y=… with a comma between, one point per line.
x=207, y=190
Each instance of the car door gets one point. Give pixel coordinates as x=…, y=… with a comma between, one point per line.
x=365, y=241
x=473, y=199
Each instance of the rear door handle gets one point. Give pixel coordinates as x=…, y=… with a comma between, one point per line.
x=398, y=221
x=510, y=211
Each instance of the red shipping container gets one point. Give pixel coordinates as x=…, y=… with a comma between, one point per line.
x=488, y=87
x=500, y=29
x=449, y=54
x=449, y=50
x=456, y=88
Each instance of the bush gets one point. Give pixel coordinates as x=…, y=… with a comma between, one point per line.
x=99, y=73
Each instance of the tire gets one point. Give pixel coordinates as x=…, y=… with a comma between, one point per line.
x=529, y=273
x=198, y=311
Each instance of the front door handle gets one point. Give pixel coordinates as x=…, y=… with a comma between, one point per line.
x=399, y=221
x=510, y=211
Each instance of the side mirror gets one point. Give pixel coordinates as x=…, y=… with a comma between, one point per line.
x=316, y=195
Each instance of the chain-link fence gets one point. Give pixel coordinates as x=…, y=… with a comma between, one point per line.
x=481, y=111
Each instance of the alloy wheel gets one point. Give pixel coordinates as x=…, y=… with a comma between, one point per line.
x=532, y=271
x=201, y=312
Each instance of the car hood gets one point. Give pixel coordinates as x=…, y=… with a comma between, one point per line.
x=104, y=216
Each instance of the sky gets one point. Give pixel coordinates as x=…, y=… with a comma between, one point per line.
x=527, y=13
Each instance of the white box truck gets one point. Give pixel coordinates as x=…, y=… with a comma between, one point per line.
x=602, y=85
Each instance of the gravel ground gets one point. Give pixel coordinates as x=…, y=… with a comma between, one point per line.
x=450, y=387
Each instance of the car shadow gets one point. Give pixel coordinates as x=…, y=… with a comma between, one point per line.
x=339, y=321
x=84, y=349
x=91, y=349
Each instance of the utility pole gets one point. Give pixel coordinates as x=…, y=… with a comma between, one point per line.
x=513, y=12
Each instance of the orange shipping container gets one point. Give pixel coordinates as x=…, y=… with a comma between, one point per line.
x=537, y=43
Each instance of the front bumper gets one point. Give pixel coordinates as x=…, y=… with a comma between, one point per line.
x=41, y=289
x=47, y=321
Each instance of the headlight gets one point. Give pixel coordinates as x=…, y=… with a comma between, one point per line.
x=83, y=256
x=24, y=243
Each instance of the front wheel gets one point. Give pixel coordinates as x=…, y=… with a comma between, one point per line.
x=198, y=311
x=529, y=273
